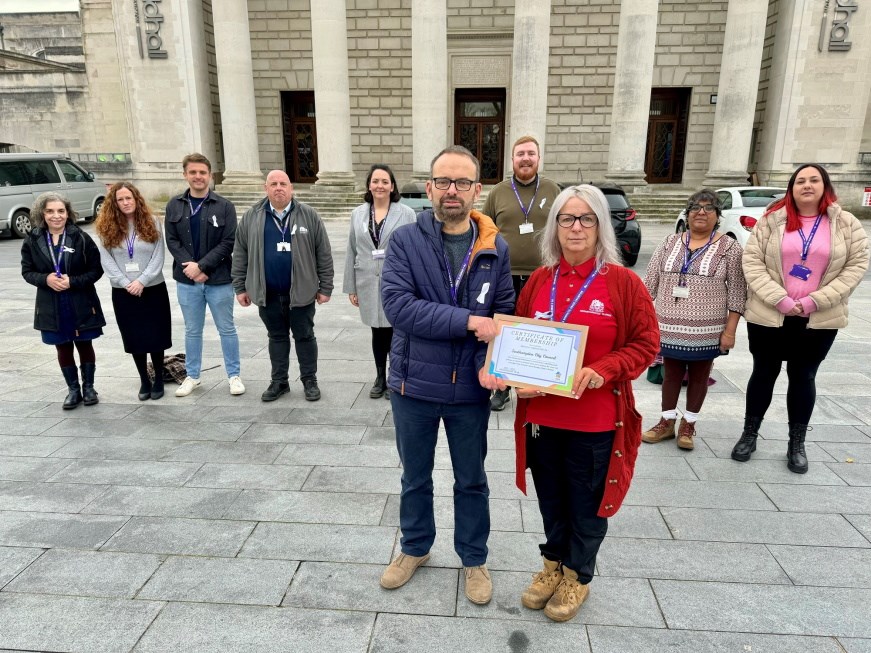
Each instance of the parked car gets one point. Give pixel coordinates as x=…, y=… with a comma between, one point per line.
x=413, y=194
x=742, y=207
x=23, y=177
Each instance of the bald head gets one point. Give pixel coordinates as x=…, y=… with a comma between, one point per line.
x=279, y=190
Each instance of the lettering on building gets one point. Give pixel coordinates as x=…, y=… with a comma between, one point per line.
x=839, y=35
x=148, y=23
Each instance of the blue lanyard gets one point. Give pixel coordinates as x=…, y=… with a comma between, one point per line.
x=689, y=259
x=531, y=202
x=130, y=242
x=199, y=208
x=574, y=301
x=455, y=283
x=281, y=225
x=56, y=258
x=806, y=242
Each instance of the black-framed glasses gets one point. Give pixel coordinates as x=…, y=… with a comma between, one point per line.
x=707, y=208
x=443, y=183
x=567, y=220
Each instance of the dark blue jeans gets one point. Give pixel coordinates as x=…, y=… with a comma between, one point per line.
x=417, y=424
x=569, y=470
x=281, y=320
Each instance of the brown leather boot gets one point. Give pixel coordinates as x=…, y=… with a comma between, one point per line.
x=568, y=598
x=685, y=434
x=664, y=430
x=543, y=585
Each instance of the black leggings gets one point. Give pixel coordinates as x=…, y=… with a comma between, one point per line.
x=381, y=339
x=142, y=366
x=697, y=383
x=86, y=353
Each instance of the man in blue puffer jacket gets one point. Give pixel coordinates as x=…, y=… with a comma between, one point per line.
x=443, y=279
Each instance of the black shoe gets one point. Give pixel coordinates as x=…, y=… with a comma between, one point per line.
x=275, y=390
x=500, y=399
x=746, y=445
x=88, y=392
x=145, y=391
x=74, y=396
x=157, y=389
x=380, y=385
x=312, y=392
x=796, y=458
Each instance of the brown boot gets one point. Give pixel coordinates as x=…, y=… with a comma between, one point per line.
x=479, y=587
x=685, y=434
x=400, y=571
x=536, y=596
x=664, y=430
x=570, y=594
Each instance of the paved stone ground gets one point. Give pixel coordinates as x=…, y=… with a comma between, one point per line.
x=218, y=523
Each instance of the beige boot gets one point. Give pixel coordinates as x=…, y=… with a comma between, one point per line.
x=479, y=587
x=568, y=597
x=685, y=434
x=536, y=596
x=663, y=430
x=400, y=571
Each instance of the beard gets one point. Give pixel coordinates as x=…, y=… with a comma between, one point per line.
x=452, y=215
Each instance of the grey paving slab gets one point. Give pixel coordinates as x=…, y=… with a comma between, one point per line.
x=761, y=471
x=204, y=431
x=380, y=435
x=320, y=542
x=21, y=468
x=851, y=473
x=680, y=560
x=123, y=472
x=47, y=497
x=86, y=573
x=403, y=633
x=843, y=451
x=208, y=628
x=246, y=413
x=858, y=406
x=432, y=591
x=762, y=527
x=339, y=455
x=697, y=494
x=205, y=537
x=13, y=560
x=855, y=645
x=25, y=445
x=664, y=468
x=374, y=416
x=508, y=551
x=96, y=428
x=170, y=412
x=825, y=566
x=766, y=450
x=116, y=448
x=646, y=640
x=304, y=433
x=820, y=498
x=102, y=410
x=163, y=502
x=63, y=623
x=56, y=530
x=27, y=425
x=773, y=609
x=504, y=513
x=21, y=408
x=249, y=476
x=820, y=433
x=669, y=449
x=309, y=507
x=862, y=523
x=221, y=580
x=368, y=479
x=225, y=452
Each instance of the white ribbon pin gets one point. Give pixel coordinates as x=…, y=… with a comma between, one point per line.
x=483, y=294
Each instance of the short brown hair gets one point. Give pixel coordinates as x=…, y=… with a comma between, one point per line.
x=525, y=139
x=196, y=157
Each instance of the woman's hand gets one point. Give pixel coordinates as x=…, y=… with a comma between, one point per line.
x=56, y=283
x=353, y=298
x=587, y=378
x=798, y=309
x=135, y=288
x=528, y=393
x=727, y=341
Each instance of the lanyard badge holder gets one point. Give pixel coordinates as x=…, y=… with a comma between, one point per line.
x=681, y=290
x=283, y=245
x=56, y=258
x=526, y=227
x=131, y=265
x=800, y=270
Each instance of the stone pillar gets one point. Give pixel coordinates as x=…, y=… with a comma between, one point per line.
x=529, y=79
x=236, y=93
x=429, y=83
x=636, y=43
x=329, y=37
x=736, y=93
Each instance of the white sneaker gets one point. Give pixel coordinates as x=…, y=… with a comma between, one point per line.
x=236, y=386
x=187, y=386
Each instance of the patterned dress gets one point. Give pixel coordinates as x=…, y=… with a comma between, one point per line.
x=690, y=327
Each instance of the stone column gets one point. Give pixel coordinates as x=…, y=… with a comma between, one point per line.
x=236, y=93
x=529, y=79
x=429, y=83
x=636, y=43
x=736, y=93
x=332, y=97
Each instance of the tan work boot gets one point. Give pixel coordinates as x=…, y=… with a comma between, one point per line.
x=400, y=571
x=664, y=430
x=536, y=596
x=568, y=597
x=479, y=587
x=685, y=434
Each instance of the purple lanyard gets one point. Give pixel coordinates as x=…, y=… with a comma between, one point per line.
x=806, y=242
x=56, y=258
x=282, y=225
x=455, y=283
x=689, y=259
x=199, y=208
x=574, y=301
x=375, y=228
x=531, y=202
x=130, y=241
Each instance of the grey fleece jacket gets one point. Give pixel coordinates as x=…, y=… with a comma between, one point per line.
x=312, y=258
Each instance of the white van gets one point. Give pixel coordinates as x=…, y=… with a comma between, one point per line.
x=24, y=177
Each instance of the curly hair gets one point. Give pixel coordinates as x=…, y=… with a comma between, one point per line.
x=37, y=211
x=112, y=224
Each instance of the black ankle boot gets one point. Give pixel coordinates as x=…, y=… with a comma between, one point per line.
x=71, y=376
x=88, y=392
x=746, y=445
x=380, y=385
x=796, y=458
x=157, y=384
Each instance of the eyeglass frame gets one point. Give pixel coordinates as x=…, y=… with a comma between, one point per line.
x=706, y=208
x=456, y=182
x=578, y=218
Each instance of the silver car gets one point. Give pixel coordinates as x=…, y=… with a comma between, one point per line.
x=23, y=177
x=742, y=207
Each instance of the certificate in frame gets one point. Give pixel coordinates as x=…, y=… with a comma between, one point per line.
x=540, y=354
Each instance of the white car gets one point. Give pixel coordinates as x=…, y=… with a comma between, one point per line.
x=742, y=207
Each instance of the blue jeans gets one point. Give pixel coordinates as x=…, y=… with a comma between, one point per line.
x=417, y=424
x=193, y=299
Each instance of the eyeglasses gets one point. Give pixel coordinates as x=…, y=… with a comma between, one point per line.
x=443, y=183
x=707, y=208
x=567, y=220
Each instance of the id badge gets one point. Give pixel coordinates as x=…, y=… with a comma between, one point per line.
x=379, y=254
x=282, y=246
x=799, y=271
x=527, y=228
x=132, y=266
x=681, y=292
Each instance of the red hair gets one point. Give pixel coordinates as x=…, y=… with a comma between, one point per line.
x=793, y=222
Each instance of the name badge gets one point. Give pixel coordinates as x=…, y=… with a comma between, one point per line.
x=379, y=253
x=800, y=272
x=132, y=266
x=681, y=292
x=283, y=246
x=527, y=228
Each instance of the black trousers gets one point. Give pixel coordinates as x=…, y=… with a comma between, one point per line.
x=281, y=320
x=569, y=469
x=381, y=339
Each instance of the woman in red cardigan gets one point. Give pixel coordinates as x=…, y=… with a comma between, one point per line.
x=582, y=449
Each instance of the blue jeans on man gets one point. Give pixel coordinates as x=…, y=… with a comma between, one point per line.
x=193, y=299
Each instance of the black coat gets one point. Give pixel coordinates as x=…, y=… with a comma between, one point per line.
x=217, y=236
x=82, y=265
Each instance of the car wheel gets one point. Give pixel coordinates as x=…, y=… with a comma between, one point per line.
x=681, y=227
x=629, y=260
x=97, y=206
x=21, y=224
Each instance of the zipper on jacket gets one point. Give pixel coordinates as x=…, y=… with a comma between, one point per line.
x=454, y=376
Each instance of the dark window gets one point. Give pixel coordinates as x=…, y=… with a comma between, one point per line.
x=12, y=173
x=41, y=172
x=72, y=172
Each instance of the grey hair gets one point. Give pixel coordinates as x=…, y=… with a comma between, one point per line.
x=606, y=243
x=37, y=211
x=457, y=149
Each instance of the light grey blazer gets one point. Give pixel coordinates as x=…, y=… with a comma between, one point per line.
x=362, y=272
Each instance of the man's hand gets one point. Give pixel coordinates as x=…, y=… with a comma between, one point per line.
x=243, y=299
x=322, y=298
x=353, y=298
x=484, y=328
x=490, y=381
x=191, y=270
